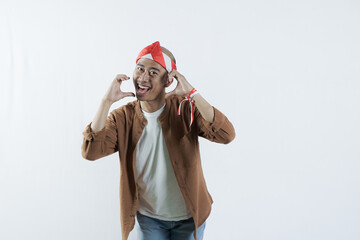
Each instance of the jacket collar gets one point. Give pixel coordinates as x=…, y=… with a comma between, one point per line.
x=162, y=116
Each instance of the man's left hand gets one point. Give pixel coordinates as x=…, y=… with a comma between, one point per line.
x=183, y=87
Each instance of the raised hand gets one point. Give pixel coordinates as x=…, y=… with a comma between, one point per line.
x=114, y=92
x=183, y=87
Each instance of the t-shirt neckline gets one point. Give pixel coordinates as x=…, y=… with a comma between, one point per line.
x=155, y=114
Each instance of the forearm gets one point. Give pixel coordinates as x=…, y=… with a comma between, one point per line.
x=205, y=109
x=100, y=118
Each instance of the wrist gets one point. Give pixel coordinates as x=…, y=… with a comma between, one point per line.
x=196, y=96
x=188, y=88
x=192, y=93
x=106, y=102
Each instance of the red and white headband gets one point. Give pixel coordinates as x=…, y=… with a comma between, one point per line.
x=153, y=52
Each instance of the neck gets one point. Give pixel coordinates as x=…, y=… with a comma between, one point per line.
x=150, y=106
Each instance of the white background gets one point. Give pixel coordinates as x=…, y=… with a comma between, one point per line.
x=286, y=73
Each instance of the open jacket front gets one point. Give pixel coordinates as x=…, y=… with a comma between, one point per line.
x=121, y=133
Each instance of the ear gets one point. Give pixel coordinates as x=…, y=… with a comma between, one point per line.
x=168, y=81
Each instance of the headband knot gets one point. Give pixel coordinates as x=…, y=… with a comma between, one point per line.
x=153, y=52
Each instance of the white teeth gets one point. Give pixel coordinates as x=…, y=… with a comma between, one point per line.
x=143, y=87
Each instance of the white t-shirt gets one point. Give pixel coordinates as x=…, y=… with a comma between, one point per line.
x=159, y=193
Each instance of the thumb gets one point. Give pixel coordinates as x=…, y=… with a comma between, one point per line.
x=128, y=94
x=173, y=92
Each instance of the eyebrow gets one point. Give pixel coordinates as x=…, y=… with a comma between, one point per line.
x=150, y=67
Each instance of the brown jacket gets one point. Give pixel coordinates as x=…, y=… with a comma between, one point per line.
x=121, y=133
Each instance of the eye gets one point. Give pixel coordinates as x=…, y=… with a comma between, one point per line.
x=153, y=73
x=139, y=68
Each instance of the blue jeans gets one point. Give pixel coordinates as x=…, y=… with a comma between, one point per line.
x=155, y=229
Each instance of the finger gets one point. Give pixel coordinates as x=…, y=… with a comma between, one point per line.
x=120, y=80
x=171, y=78
x=172, y=73
x=122, y=77
x=175, y=74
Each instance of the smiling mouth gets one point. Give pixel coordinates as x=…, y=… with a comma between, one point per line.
x=142, y=89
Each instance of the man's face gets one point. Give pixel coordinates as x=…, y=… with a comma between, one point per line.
x=149, y=81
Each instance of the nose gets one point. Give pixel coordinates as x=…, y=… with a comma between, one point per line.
x=144, y=77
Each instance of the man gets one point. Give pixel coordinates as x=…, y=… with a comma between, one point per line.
x=161, y=181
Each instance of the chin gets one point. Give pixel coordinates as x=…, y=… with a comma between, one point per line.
x=141, y=97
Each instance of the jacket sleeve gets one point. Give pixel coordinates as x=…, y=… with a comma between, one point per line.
x=220, y=130
x=101, y=143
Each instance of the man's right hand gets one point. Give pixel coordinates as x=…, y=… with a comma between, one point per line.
x=114, y=92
